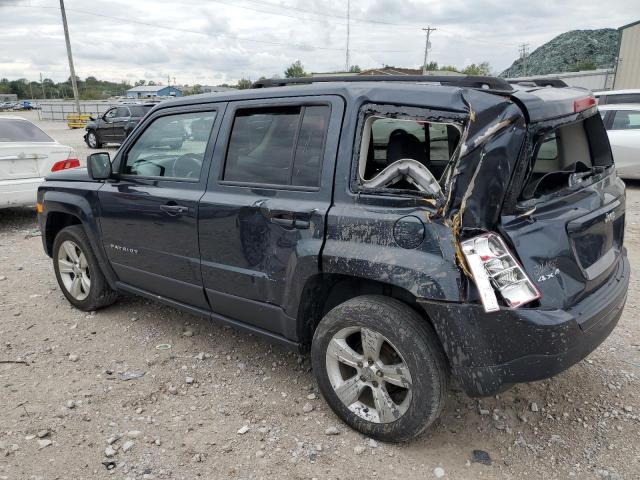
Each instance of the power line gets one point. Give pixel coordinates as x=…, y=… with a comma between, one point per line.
x=195, y=32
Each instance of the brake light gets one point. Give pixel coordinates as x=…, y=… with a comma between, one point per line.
x=495, y=269
x=584, y=104
x=65, y=164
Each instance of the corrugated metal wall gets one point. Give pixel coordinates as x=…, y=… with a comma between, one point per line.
x=628, y=70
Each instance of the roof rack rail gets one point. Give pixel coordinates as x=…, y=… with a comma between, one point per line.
x=470, y=81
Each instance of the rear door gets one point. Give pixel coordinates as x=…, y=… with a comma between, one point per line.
x=262, y=218
x=568, y=226
x=149, y=214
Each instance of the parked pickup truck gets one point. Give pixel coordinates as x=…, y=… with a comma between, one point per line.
x=404, y=229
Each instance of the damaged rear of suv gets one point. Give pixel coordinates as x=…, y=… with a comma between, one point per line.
x=403, y=229
x=496, y=215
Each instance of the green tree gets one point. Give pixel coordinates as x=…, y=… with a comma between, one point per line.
x=140, y=83
x=355, y=69
x=295, y=70
x=151, y=83
x=450, y=68
x=432, y=66
x=582, y=66
x=244, y=83
x=481, y=69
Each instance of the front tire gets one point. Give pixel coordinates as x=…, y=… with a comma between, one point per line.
x=93, y=140
x=78, y=272
x=380, y=367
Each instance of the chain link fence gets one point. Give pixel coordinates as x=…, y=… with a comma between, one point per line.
x=58, y=111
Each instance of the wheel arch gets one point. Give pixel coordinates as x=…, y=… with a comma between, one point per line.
x=324, y=291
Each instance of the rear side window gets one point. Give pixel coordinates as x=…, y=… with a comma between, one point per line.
x=626, y=120
x=566, y=156
x=277, y=146
x=622, y=98
x=409, y=144
x=139, y=111
x=16, y=130
x=122, y=112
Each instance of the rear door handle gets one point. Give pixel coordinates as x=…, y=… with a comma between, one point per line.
x=174, y=210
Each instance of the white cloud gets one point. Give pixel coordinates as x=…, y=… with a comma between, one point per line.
x=216, y=41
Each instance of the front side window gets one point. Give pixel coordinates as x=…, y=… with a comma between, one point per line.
x=14, y=130
x=277, y=145
x=111, y=114
x=626, y=120
x=169, y=147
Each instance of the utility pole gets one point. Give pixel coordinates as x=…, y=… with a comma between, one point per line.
x=346, y=68
x=74, y=84
x=31, y=89
x=168, y=80
x=524, y=54
x=44, y=97
x=427, y=45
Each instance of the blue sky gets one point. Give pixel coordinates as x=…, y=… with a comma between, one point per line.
x=210, y=42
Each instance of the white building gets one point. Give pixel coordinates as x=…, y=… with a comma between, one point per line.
x=628, y=64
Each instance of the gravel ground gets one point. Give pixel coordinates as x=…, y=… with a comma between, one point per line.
x=222, y=404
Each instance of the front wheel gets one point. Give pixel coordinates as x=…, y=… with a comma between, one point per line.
x=380, y=367
x=93, y=141
x=78, y=272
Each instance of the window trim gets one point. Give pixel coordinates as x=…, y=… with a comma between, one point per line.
x=279, y=104
x=149, y=121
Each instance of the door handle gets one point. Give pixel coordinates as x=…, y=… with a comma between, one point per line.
x=174, y=210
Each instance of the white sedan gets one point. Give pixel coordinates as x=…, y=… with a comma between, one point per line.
x=623, y=127
x=27, y=155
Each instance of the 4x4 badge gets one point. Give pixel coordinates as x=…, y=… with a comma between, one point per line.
x=610, y=217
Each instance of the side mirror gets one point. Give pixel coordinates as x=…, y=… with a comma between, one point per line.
x=99, y=166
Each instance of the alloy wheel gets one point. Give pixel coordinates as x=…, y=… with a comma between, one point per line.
x=74, y=270
x=369, y=375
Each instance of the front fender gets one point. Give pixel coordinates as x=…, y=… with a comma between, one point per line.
x=82, y=204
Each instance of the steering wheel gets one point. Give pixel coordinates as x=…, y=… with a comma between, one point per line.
x=187, y=166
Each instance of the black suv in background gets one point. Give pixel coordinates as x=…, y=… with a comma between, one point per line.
x=404, y=229
x=115, y=124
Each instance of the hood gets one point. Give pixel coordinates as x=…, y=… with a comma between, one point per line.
x=79, y=174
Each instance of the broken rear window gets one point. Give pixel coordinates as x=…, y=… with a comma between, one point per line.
x=566, y=155
x=408, y=153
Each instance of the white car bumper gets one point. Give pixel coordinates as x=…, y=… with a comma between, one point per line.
x=17, y=193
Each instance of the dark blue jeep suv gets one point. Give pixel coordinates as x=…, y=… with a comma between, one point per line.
x=404, y=229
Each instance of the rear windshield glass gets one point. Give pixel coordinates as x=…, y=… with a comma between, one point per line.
x=566, y=156
x=139, y=111
x=16, y=130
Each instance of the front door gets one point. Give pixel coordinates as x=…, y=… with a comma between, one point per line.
x=262, y=218
x=149, y=216
x=106, y=129
x=119, y=122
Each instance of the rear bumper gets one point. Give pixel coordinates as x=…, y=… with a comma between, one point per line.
x=17, y=193
x=488, y=352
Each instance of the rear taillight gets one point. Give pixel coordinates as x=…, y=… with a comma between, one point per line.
x=495, y=269
x=584, y=104
x=65, y=164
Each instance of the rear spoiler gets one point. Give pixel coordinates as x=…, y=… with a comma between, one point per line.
x=548, y=103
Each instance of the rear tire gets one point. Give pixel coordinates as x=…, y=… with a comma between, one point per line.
x=93, y=140
x=78, y=272
x=399, y=391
